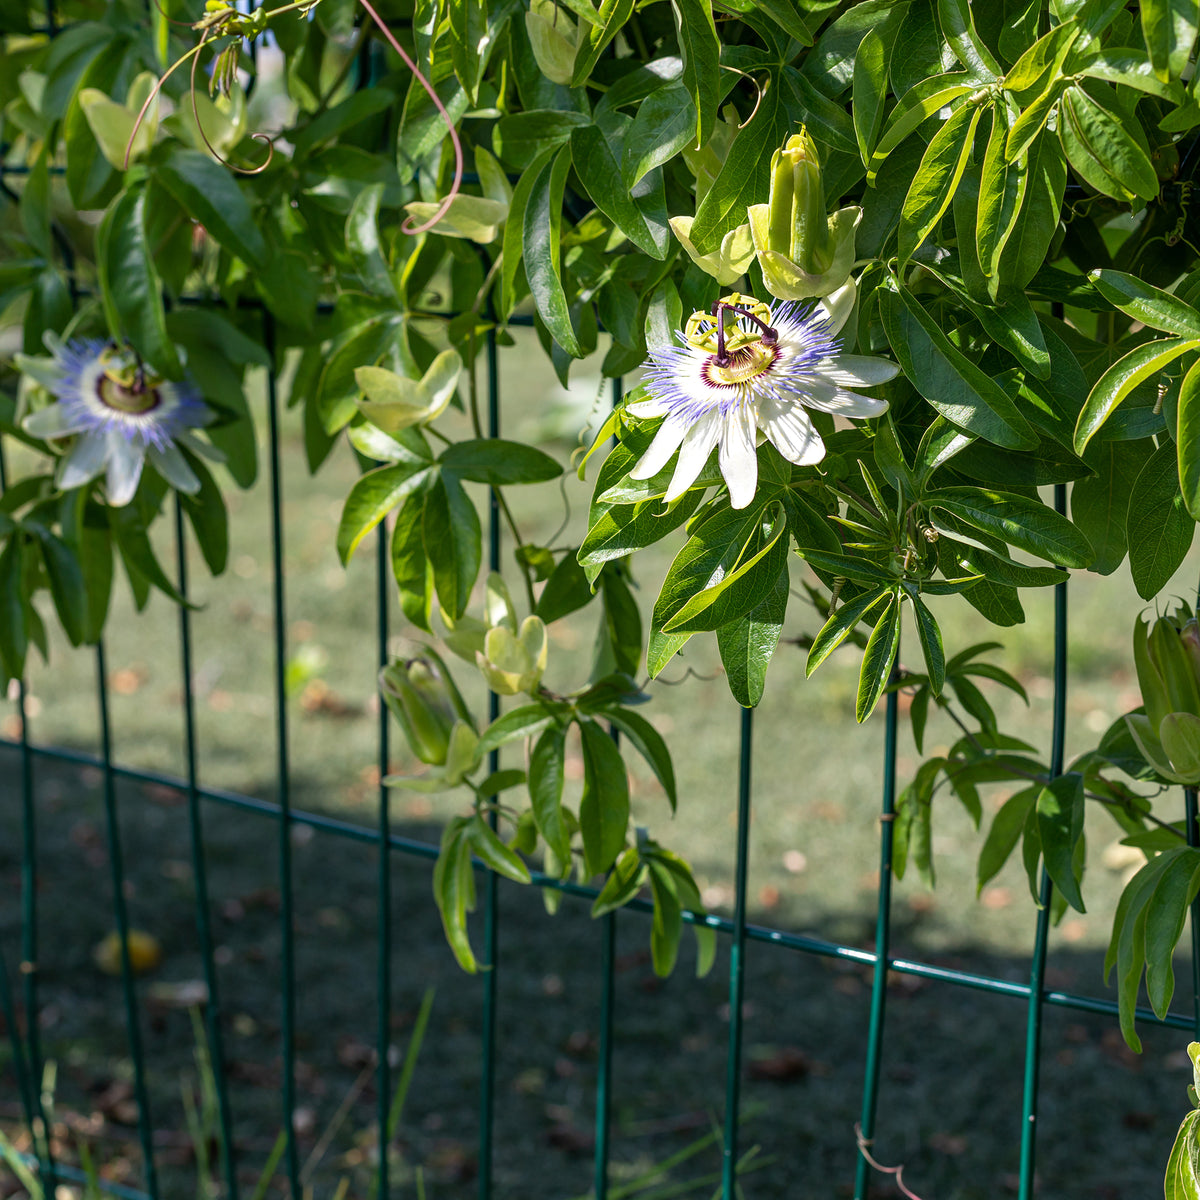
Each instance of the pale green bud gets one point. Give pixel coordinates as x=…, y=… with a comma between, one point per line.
x=1167, y=657
x=554, y=38
x=422, y=697
x=514, y=663
x=799, y=224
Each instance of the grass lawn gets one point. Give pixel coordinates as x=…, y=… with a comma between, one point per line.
x=950, y=1103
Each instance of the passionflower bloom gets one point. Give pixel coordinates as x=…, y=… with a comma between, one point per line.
x=120, y=414
x=744, y=372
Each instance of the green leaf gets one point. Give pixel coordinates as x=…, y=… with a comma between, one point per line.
x=211, y=196
x=937, y=177
x=1188, y=440
x=1169, y=27
x=454, y=890
x=931, y=642
x=134, y=544
x=411, y=567
x=523, y=138
x=1182, y=1180
x=66, y=585
x=518, y=723
x=14, y=636
x=612, y=16
x=784, y=14
x=468, y=22
x=1100, y=503
x=566, y=591
x=129, y=283
x=1002, y=837
x=96, y=563
x=1147, y=361
x=870, y=92
x=604, y=806
x=1060, y=807
x=1027, y=524
x=453, y=541
x=913, y=110
x=1037, y=221
x=953, y=384
x=1102, y=152
x=958, y=28
x=840, y=625
x=542, y=223
x=623, y=883
x=665, y=123
x=878, y=660
x=1160, y=529
x=600, y=174
x=743, y=178
x=1166, y=913
x=741, y=588
x=1146, y=303
x=668, y=919
x=371, y=498
x=1001, y=193
x=494, y=853
x=701, y=51
x=648, y=742
x=747, y=645
x=500, y=463
x=363, y=242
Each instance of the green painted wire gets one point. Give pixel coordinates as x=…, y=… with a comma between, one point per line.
x=608, y=939
x=1037, y=974
x=121, y=914
x=384, y=897
x=20, y=1068
x=29, y=927
x=287, y=924
x=491, y=919
x=737, y=966
x=883, y=934
x=212, y=1009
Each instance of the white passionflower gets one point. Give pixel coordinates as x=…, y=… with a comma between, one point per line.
x=744, y=373
x=120, y=414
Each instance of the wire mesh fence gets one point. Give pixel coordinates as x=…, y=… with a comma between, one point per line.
x=19, y=982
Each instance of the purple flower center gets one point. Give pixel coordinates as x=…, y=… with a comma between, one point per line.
x=136, y=399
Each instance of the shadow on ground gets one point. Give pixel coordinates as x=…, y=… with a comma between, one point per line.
x=951, y=1087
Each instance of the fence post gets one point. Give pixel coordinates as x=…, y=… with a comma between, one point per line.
x=883, y=935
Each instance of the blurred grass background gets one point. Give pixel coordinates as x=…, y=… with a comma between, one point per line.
x=950, y=1106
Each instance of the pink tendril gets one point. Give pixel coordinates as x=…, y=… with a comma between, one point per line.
x=898, y=1172
x=443, y=208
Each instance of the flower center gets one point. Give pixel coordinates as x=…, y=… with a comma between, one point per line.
x=132, y=398
x=740, y=365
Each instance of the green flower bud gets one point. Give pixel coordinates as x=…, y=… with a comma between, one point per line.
x=514, y=663
x=422, y=697
x=799, y=225
x=1167, y=657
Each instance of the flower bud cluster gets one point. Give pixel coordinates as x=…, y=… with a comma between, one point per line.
x=1167, y=657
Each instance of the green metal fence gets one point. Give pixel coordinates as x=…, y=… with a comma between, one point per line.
x=19, y=976
x=19, y=990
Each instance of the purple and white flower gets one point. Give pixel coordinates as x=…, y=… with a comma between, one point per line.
x=745, y=373
x=121, y=415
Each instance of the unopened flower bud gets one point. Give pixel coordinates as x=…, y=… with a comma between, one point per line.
x=1167, y=657
x=514, y=663
x=799, y=225
x=422, y=697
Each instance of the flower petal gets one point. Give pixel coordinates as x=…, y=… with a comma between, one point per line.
x=791, y=432
x=859, y=370
x=831, y=399
x=697, y=445
x=52, y=422
x=838, y=306
x=174, y=468
x=125, y=461
x=84, y=463
x=200, y=447
x=650, y=407
x=666, y=442
x=739, y=462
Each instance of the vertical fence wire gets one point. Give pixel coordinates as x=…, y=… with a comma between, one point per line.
x=20, y=1067
x=121, y=913
x=1037, y=973
x=491, y=918
x=883, y=937
x=28, y=967
x=384, y=898
x=212, y=1007
x=608, y=942
x=1193, y=839
x=737, y=966
x=283, y=783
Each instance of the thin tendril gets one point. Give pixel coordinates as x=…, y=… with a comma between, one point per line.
x=183, y=24
x=192, y=53
x=898, y=1172
x=443, y=208
x=258, y=137
x=757, y=89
